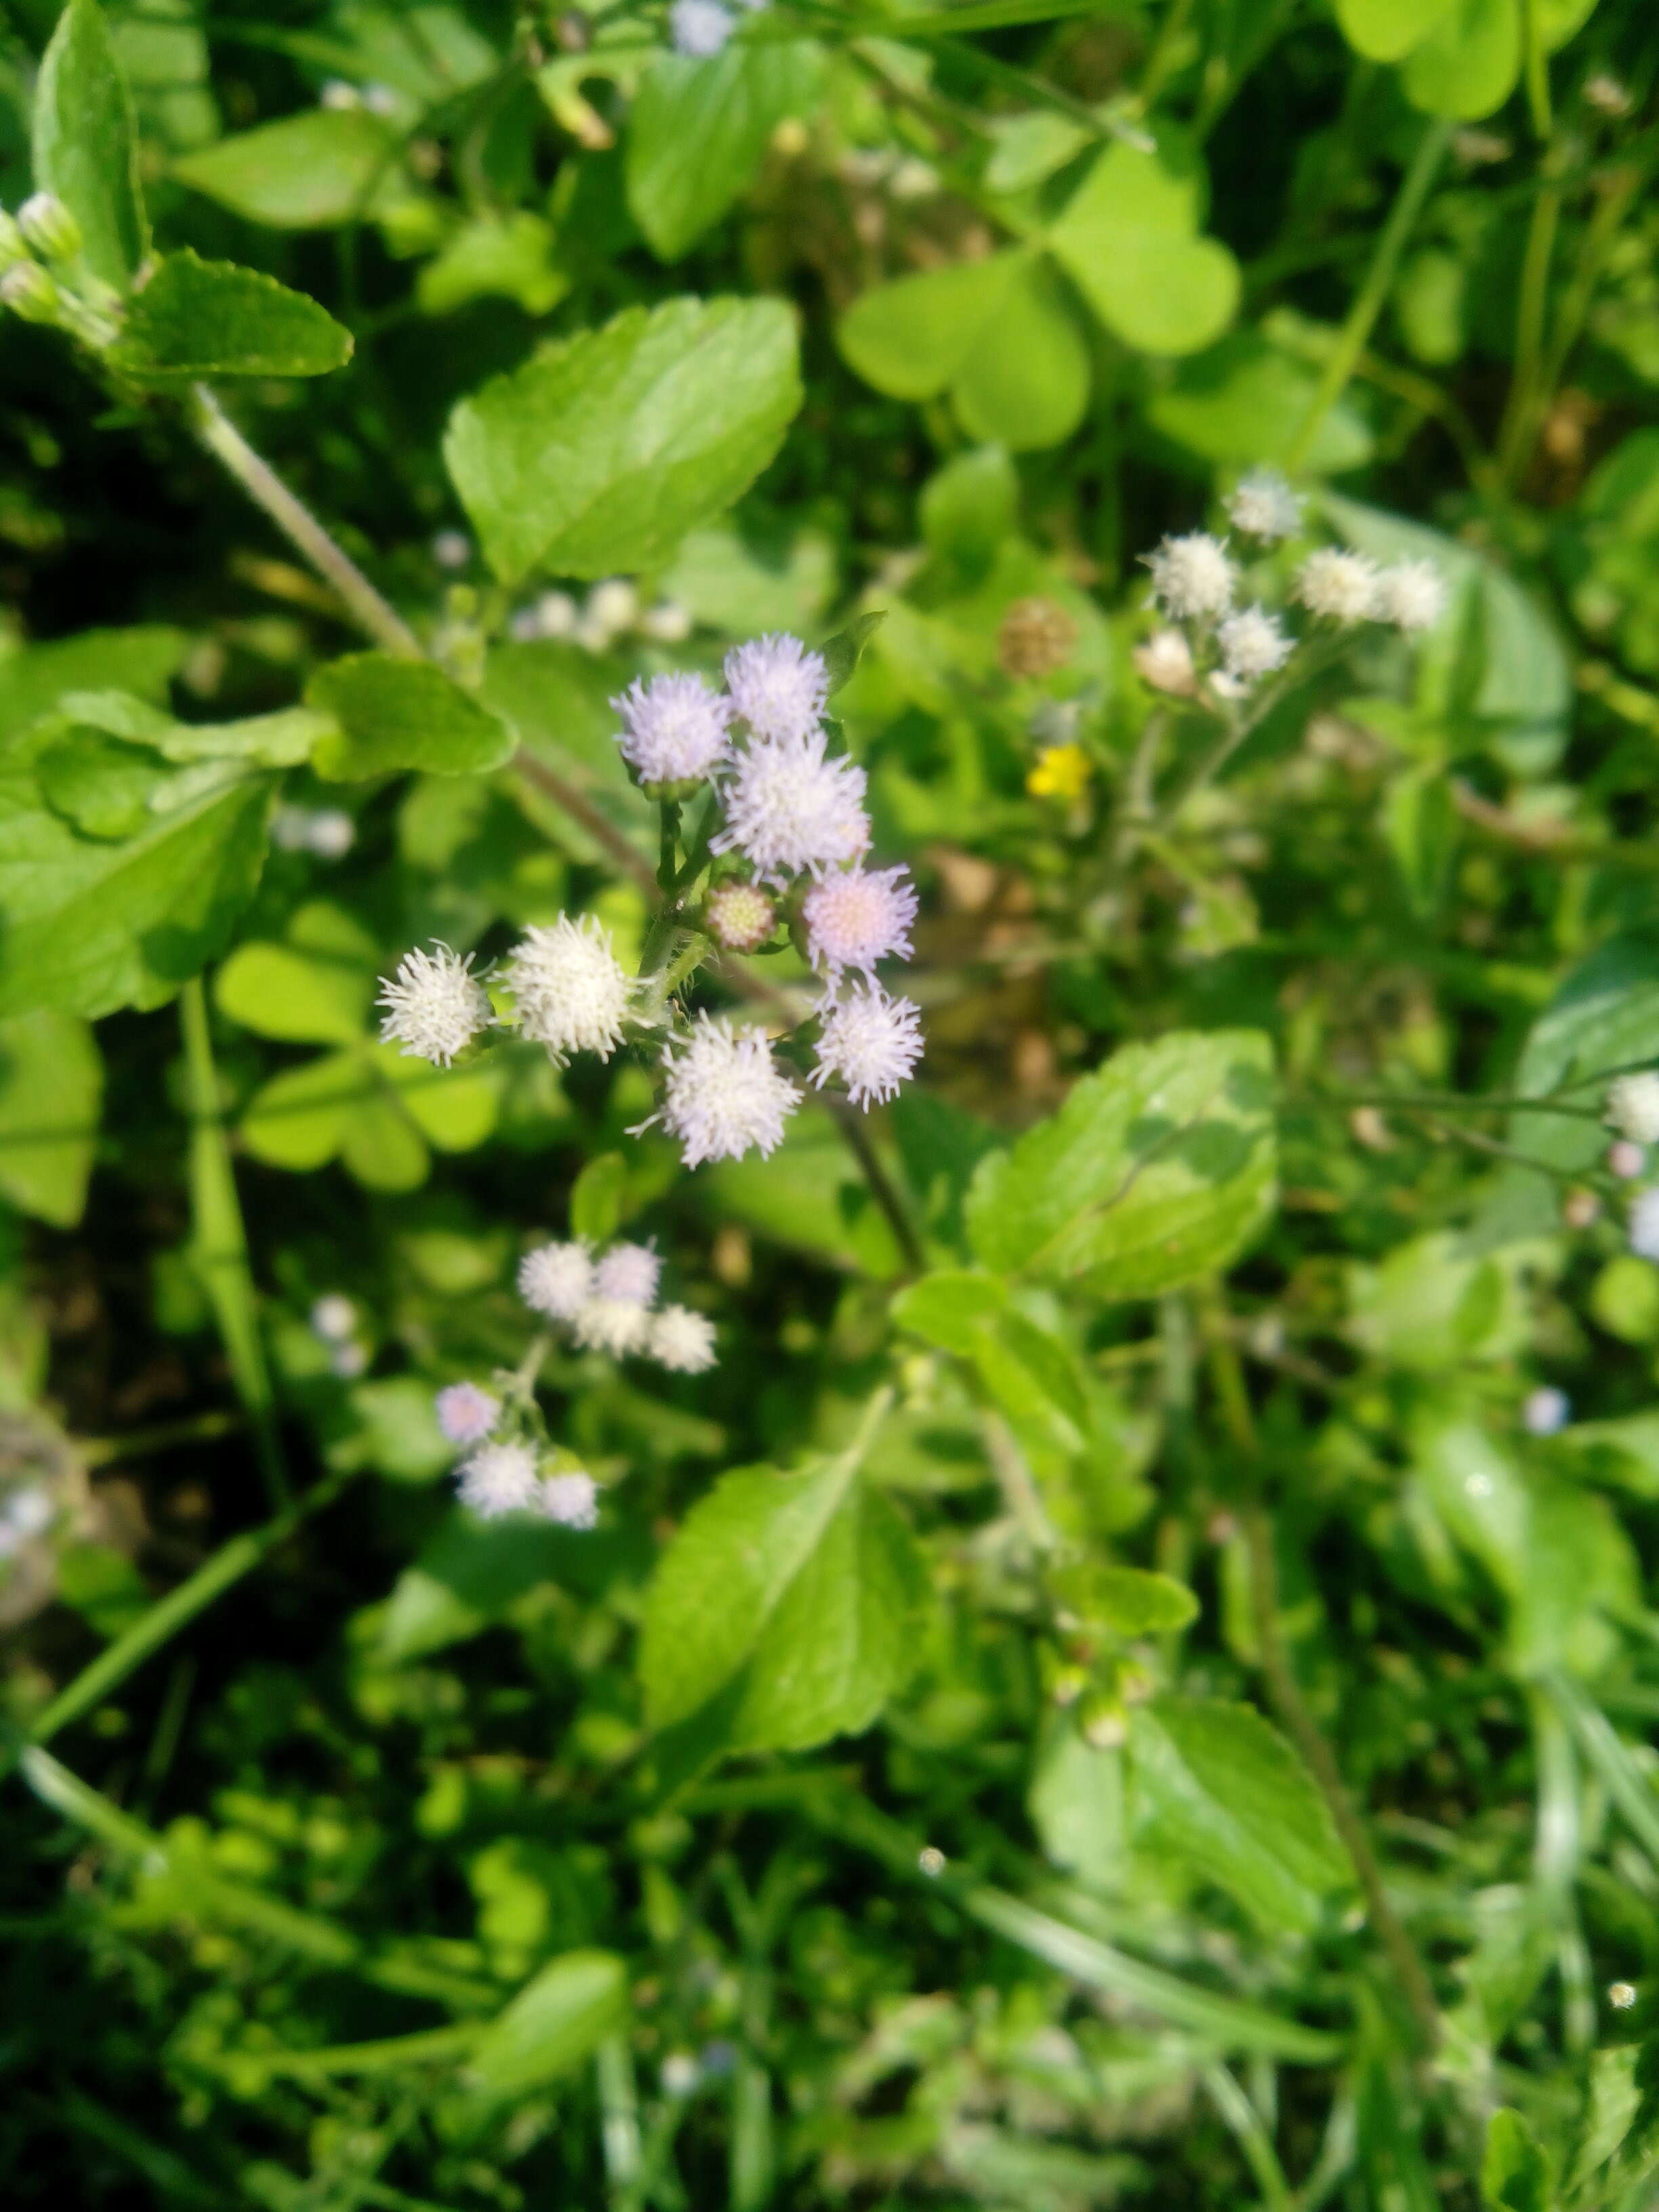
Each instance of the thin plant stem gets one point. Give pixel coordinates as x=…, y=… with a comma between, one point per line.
x=220, y=1241
x=1292, y=1709
x=1351, y=342
x=1537, y=71
x=164, y=1619
x=375, y=617
x=882, y=1190
x=1521, y=409
x=581, y=810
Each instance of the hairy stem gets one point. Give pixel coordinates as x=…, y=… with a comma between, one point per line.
x=375, y=617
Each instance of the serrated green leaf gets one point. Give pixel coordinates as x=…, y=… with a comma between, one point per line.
x=1129, y=1601
x=86, y=142
x=307, y=172
x=1157, y=1169
x=51, y=1083
x=396, y=714
x=196, y=317
x=88, y=925
x=1129, y=240
x=556, y=2021
x=698, y=130
x=784, y=1608
x=1220, y=1788
x=600, y=453
x=950, y=1309
x=35, y=678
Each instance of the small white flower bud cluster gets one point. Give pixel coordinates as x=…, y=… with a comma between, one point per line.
x=608, y=1300
x=611, y=610
x=506, y=1477
x=45, y=279
x=1209, y=640
x=334, y=1323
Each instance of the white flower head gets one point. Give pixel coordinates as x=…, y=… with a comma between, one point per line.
x=499, y=1479
x=630, y=1272
x=333, y=1317
x=856, y=917
x=465, y=1413
x=1412, y=595
x=569, y=988
x=572, y=1499
x=699, y=28
x=1338, y=584
x=1265, y=507
x=723, y=1093
x=1192, y=576
x=674, y=728
x=1166, y=662
x=740, y=917
x=789, y=807
x=1632, y=1107
x=1545, y=1410
x=868, y=1042
x=1253, y=645
x=617, y=1326
x=682, y=1341
x=349, y=1361
x=779, y=688
x=1644, y=1225
x=555, y=1279
x=434, y=1006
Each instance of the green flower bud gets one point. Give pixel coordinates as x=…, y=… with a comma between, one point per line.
x=12, y=246
x=49, y=226
x=29, y=292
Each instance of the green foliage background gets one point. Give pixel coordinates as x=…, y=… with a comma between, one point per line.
x=1102, y=1697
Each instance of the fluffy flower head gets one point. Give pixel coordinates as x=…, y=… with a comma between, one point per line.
x=569, y=988
x=628, y=1272
x=789, y=807
x=1338, y=584
x=683, y=1341
x=617, y=1326
x=674, y=728
x=699, y=28
x=571, y=1500
x=868, y=1042
x=1192, y=575
x=1265, y=507
x=333, y=1317
x=778, y=687
x=434, y=1006
x=1253, y=645
x=555, y=1279
x=499, y=1479
x=740, y=917
x=858, y=917
x=1412, y=595
x=723, y=1093
x=1632, y=1107
x=465, y=1413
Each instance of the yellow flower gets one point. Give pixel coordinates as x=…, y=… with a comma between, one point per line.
x=1062, y=772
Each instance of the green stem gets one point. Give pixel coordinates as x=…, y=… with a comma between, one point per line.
x=1523, y=408
x=373, y=615
x=219, y=1240
x=1537, y=70
x=164, y=1619
x=1351, y=342
x=619, y=2108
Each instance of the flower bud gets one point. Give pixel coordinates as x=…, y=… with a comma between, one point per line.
x=29, y=292
x=49, y=226
x=12, y=245
x=739, y=916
